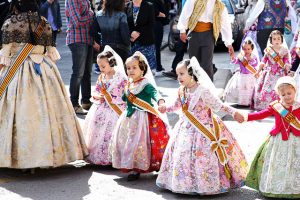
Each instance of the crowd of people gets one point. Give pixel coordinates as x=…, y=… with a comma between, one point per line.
x=126, y=125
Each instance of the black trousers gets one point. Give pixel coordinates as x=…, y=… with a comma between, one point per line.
x=158, y=33
x=201, y=45
x=180, y=48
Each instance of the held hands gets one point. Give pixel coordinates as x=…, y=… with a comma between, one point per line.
x=162, y=108
x=231, y=52
x=99, y=98
x=238, y=117
x=256, y=75
x=134, y=35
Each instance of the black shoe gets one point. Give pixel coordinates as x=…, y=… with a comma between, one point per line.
x=133, y=177
x=170, y=74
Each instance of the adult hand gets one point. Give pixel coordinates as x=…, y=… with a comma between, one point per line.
x=134, y=35
x=183, y=37
x=96, y=46
x=50, y=1
x=231, y=51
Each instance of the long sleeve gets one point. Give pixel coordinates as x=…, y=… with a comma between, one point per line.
x=59, y=21
x=175, y=105
x=215, y=103
x=44, y=8
x=185, y=15
x=226, y=30
x=79, y=12
x=151, y=91
x=95, y=31
x=5, y=57
x=260, y=115
x=259, y=7
x=124, y=30
x=295, y=64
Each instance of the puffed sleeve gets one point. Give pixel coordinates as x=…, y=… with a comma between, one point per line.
x=174, y=106
x=52, y=53
x=5, y=54
x=118, y=91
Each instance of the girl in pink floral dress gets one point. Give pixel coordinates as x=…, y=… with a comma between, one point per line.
x=275, y=64
x=194, y=161
x=106, y=108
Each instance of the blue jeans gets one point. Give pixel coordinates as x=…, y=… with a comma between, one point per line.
x=82, y=57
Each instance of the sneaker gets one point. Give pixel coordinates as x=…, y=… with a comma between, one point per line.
x=86, y=106
x=79, y=110
x=159, y=72
x=170, y=74
x=153, y=71
x=97, y=71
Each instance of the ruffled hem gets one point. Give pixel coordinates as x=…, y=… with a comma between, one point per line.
x=5, y=60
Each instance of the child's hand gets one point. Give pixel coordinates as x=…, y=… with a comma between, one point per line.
x=256, y=75
x=291, y=73
x=1, y=65
x=238, y=117
x=287, y=68
x=99, y=98
x=162, y=108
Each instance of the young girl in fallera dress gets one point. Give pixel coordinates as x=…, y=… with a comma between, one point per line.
x=240, y=87
x=275, y=169
x=202, y=156
x=275, y=64
x=107, y=106
x=140, y=136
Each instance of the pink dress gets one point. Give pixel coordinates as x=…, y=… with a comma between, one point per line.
x=264, y=92
x=101, y=119
x=189, y=166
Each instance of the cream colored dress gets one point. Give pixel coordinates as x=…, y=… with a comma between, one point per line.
x=38, y=126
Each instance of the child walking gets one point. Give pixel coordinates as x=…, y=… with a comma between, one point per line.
x=202, y=156
x=107, y=107
x=140, y=136
x=240, y=87
x=275, y=169
x=275, y=64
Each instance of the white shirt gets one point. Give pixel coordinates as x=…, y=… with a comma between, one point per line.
x=259, y=7
x=207, y=16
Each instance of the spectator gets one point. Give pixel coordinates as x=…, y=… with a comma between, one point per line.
x=50, y=9
x=111, y=23
x=80, y=18
x=4, y=7
x=140, y=16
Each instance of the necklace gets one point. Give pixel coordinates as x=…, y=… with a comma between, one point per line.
x=286, y=128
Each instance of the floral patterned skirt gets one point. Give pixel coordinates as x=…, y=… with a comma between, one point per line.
x=275, y=170
x=264, y=92
x=98, y=127
x=189, y=166
x=38, y=126
x=138, y=142
x=240, y=89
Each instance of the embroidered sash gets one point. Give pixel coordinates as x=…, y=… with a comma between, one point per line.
x=246, y=64
x=275, y=56
x=108, y=98
x=218, y=144
x=139, y=102
x=286, y=115
x=19, y=60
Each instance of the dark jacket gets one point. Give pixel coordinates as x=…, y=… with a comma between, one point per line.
x=111, y=30
x=55, y=11
x=144, y=23
x=4, y=7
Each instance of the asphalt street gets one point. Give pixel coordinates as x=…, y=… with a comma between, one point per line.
x=82, y=181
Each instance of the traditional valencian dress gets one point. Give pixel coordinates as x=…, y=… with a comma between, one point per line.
x=197, y=162
x=275, y=170
x=275, y=63
x=140, y=136
x=240, y=87
x=102, y=117
x=38, y=126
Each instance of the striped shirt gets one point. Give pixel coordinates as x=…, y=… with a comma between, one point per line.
x=79, y=21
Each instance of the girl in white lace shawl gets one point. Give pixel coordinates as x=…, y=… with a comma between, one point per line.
x=190, y=165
